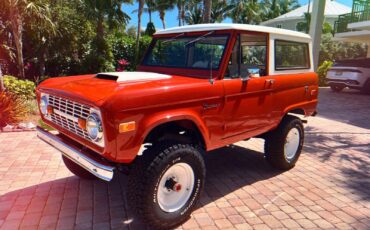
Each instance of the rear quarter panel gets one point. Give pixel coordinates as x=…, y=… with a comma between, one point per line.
x=295, y=91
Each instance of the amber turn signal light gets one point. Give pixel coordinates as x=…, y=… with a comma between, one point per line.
x=81, y=123
x=50, y=109
x=127, y=126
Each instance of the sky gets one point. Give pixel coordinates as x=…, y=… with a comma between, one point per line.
x=171, y=16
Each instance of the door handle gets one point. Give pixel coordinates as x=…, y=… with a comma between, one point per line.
x=270, y=81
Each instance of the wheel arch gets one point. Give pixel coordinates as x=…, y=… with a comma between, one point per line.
x=173, y=124
x=299, y=111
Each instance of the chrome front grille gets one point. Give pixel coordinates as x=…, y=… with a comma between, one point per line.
x=69, y=107
x=66, y=114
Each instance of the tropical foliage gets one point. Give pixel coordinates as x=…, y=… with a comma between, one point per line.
x=12, y=109
x=122, y=47
x=322, y=71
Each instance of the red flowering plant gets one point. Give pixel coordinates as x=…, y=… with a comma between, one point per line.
x=122, y=65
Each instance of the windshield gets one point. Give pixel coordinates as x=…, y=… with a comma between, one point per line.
x=196, y=52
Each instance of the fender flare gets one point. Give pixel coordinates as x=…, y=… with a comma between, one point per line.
x=159, y=119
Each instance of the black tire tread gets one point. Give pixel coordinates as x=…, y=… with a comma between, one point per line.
x=145, y=170
x=275, y=140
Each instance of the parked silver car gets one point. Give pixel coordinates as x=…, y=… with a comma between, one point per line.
x=354, y=74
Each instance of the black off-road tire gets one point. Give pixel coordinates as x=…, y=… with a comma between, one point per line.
x=275, y=143
x=144, y=178
x=336, y=88
x=78, y=170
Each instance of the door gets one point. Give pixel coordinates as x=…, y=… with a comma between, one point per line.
x=248, y=89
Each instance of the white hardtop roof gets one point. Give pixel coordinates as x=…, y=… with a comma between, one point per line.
x=332, y=8
x=231, y=26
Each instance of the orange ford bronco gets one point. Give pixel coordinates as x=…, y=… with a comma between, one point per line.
x=197, y=88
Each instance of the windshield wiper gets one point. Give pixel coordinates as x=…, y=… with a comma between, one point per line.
x=199, y=38
x=173, y=38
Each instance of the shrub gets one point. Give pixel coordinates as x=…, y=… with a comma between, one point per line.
x=124, y=48
x=12, y=109
x=21, y=88
x=322, y=70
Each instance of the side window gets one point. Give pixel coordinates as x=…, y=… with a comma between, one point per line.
x=291, y=55
x=249, y=57
x=253, y=55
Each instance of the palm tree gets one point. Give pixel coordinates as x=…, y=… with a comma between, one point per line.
x=246, y=11
x=193, y=12
x=287, y=5
x=17, y=10
x=105, y=12
x=139, y=13
x=220, y=10
x=207, y=4
x=150, y=8
x=109, y=11
x=181, y=11
x=278, y=7
x=162, y=6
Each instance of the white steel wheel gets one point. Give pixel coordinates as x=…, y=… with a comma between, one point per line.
x=175, y=187
x=292, y=142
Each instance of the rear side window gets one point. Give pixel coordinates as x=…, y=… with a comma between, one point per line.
x=291, y=55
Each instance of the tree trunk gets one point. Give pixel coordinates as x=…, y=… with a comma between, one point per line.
x=179, y=10
x=207, y=7
x=161, y=16
x=139, y=13
x=100, y=29
x=17, y=28
x=183, y=13
x=42, y=58
x=150, y=15
x=100, y=36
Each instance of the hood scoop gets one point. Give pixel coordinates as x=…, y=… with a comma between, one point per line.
x=132, y=76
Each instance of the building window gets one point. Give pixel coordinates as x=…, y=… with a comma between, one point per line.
x=291, y=55
x=278, y=26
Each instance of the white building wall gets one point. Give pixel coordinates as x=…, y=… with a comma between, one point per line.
x=291, y=24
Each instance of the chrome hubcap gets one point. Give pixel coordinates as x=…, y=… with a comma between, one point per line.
x=291, y=144
x=175, y=187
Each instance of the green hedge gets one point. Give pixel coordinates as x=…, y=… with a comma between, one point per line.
x=322, y=71
x=22, y=88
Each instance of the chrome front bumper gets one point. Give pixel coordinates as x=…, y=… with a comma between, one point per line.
x=102, y=171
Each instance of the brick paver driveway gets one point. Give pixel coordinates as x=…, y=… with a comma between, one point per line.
x=328, y=188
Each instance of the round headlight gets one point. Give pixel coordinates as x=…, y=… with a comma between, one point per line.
x=94, y=127
x=44, y=105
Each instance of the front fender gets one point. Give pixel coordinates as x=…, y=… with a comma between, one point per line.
x=166, y=117
x=128, y=145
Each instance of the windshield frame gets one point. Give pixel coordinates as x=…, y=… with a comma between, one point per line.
x=189, y=71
